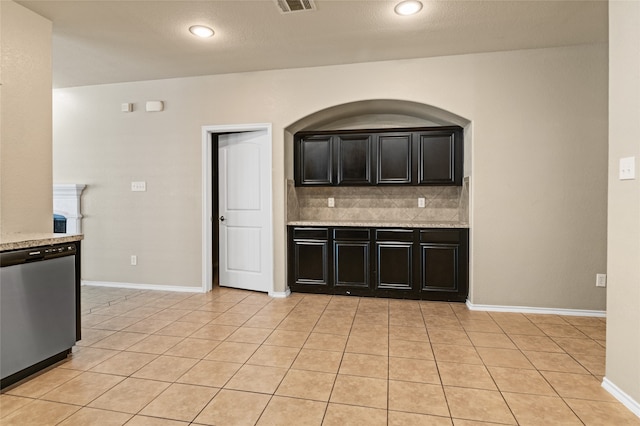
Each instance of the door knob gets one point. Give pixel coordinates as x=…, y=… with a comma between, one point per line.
x=221, y=218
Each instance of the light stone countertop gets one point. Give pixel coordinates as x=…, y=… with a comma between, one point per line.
x=27, y=240
x=377, y=224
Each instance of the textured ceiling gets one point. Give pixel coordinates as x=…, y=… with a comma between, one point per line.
x=97, y=42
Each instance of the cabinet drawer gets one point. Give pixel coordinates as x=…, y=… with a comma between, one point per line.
x=311, y=233
x=440, y=236
x=402, y=235
x=358, y=234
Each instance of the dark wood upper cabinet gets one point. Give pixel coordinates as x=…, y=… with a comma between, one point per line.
x=410, y=156
x=395, y=159
x=314, y=160
x=440, y=157
x=354, y=160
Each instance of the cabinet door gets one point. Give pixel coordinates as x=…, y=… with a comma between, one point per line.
x=351, y=252
x=314, y=160
x=394, y=260
x=440, y=157
x=355, y=159
x=395, y=160
x=443, y=265
x=439, y=265
x=309, y=259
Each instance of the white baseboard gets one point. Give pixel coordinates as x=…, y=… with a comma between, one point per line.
x=280, y=294
x=532, y=310
x=621, y=396
x=139, y=286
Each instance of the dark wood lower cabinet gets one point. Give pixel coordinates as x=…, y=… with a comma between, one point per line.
x=444, y=263
x=439, y=267
x=394, y=262
x=429, y=264
x=309, y=266
x=351, y=261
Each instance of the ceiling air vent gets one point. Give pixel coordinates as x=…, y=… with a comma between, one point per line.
x=288, y=6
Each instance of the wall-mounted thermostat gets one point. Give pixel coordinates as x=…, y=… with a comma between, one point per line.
x=139, y=186
x=155, y=106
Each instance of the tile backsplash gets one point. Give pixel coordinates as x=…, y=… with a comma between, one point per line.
x=379, y=203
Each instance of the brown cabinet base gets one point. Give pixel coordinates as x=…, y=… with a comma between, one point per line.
x=426, y=264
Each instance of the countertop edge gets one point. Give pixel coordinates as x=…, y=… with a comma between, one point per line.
x=22, y=241
x=373, y=224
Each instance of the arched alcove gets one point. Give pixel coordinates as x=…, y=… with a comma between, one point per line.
x=394, y=113
x=376, y=113
x=446, y=205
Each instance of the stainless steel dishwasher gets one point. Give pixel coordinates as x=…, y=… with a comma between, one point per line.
x=37, y=308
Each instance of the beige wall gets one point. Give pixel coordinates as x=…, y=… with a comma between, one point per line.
x=26, y=192
x=539, y=161
x=623, y=293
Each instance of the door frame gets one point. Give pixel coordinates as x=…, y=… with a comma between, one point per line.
x=207, y=196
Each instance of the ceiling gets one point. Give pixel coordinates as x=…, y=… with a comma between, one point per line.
x=98, y=42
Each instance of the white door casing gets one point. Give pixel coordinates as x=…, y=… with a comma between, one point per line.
x=245, y=202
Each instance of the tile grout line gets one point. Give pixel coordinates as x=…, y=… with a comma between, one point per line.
x=192, y=304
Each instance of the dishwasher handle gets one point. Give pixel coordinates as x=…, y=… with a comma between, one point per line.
x=33, y=255
x=13, y=258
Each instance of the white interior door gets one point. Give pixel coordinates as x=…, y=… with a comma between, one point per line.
x=244, y=188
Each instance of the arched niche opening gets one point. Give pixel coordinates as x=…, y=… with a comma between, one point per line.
x=377, y=113
x=372, y=114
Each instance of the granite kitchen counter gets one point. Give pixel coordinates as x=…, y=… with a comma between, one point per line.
x=378, y=224
x=19, y=241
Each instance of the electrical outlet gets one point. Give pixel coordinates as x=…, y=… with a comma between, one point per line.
x=134, y=260
x=601, y=280
x=421, y=202
x=331, y=202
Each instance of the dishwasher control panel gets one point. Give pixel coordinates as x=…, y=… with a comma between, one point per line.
x=18, y=257
x=60, y=250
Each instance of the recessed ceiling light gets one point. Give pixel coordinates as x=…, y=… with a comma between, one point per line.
x=201, y=31
x=408, y=7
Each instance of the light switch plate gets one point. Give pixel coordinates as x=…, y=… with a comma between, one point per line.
x=627, y=168
x=138, y=186
x=331, y=202
x=421, y=202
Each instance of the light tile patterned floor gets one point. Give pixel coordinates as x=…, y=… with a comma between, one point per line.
x=233, y=357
